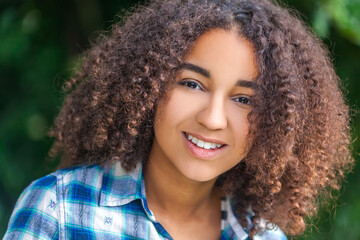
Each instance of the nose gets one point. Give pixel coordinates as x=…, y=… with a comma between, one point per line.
x=213, y=114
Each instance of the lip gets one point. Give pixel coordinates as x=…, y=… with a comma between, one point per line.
x=206, y=139
x=201, y=153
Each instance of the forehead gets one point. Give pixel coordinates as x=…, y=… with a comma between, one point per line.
x=224, y=51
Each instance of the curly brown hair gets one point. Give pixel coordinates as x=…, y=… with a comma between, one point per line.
x=299, y=121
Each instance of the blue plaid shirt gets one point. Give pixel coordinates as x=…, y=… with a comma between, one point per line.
x=92, y=202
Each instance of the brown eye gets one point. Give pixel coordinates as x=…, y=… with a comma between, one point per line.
x=243, y=100
x=190, y=84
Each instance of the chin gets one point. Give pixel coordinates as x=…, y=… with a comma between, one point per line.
x=200, y=175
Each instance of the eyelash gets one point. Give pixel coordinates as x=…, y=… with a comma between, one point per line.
x=245, y=100
x=194, y=85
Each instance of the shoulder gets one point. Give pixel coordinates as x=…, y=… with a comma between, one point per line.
x=36, y=212
x=234, y=230
x=77, y=181
x=81, y=173
x=35, y=207
x=85, y=177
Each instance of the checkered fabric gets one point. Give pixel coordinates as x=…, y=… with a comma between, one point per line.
x=92, y=202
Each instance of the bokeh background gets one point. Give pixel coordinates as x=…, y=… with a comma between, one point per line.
x=40, y=43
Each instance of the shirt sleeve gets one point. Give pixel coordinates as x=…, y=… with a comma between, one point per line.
x=36, y=213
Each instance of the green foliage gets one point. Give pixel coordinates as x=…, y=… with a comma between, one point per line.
x=39, y=45
x=346, y=15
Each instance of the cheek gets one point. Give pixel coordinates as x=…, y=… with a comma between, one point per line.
x=240, y=125
x=178, y=106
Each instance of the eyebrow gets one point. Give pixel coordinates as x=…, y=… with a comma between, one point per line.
x=195, y=68
x=247, y=84
x=206, y=73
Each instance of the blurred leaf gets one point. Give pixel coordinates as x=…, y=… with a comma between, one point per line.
x=346, y=15
x=36, y=127
x=31, y=21
x=321, y=23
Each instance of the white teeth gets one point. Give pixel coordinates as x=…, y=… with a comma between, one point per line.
x=203, y=144
x=200, y=143
x=207, y=145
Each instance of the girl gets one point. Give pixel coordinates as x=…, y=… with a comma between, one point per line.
x=193, y=119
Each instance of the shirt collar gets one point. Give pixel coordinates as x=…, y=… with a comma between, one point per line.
x=233, y=229
x=120, y=187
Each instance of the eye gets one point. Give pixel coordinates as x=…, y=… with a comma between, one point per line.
x=190, y=84
x=243, y=100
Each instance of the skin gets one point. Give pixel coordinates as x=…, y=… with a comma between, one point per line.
x=211, y=100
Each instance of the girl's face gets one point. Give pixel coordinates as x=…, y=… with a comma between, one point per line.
x=201, y=128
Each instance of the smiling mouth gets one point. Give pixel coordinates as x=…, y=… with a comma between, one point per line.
x=203, y=144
